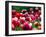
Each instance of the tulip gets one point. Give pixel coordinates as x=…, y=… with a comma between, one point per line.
x=17, y=14
x=16, y=23
x=15, y=18
x=13, y=13
x=22, y=19
x=33, y=17
x=26, y=26
x=13, y=27
x=30, y=26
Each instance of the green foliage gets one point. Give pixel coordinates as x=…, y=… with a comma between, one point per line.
x=34, y=26
x=38, y=21
x=20, y=8
x=18, y=28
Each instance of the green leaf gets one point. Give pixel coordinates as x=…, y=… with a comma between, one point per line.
x=18, y=28
x=34, y=26
x=20, y=8
x=38, y=21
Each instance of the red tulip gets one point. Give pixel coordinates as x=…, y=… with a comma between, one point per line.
x=26, y=25
x=27, y=18
x=21, y=14
x=13, y=13
x=13, y=27
x=22, y=19
x=37, y=15
x=13, y=22
x=33, y=17
x=17, y=14
x=26, y=14
x=16, y=23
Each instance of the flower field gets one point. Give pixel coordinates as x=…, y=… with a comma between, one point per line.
x=26, y=18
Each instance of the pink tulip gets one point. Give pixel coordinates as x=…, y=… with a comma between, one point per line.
x=26, y=26
x=15, y=18
x=13, y=27
x=33, y=17
x=30, y=26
